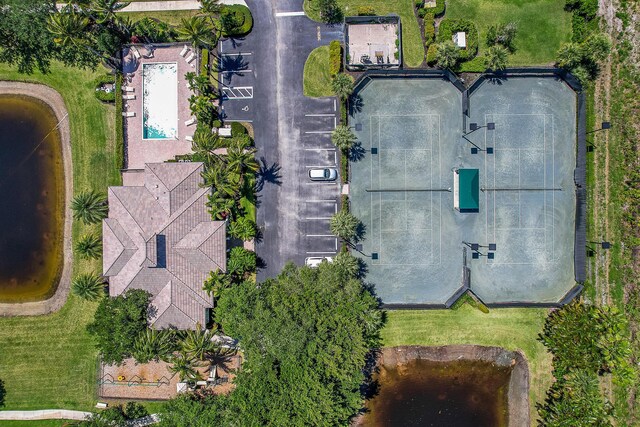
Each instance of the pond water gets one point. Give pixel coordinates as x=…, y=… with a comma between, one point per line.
x=31, y=200
x=444, y=394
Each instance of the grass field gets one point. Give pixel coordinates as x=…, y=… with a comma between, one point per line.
x=50, y=361
x=172, y=17
x=46, y=423
x=543, y=25
x=511, y=328
x=317, y=78
x=412, y=47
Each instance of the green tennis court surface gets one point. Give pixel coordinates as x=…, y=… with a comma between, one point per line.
x=499, y=200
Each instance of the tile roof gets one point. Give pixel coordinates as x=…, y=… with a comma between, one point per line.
x=159, y=237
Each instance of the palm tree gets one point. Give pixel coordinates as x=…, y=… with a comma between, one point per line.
x=90, y=207
x=107, y=9
x=496, y=57
x=348, y=263
x=89, y=246
x=240, y=160
x=197, y=31
x=342, y=85
x=243, y=228
x=569, y=55
x=183, y=365
x=344, y=225
x=447, y=54
x=68, y=29
x=216, y=282
x=88, y=286
x=204, y=142
x=197, y=343
x=220, y=206
x=343, y=138
x=153, y=345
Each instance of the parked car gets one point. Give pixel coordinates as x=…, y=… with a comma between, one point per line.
x=325, y=174
x=315, y=261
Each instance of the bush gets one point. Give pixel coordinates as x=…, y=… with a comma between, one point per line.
x=152, y=30
x=102, y=95
x=216, y=123
x=344, y=167
x=241, y=261
x=204, y=62
x=502, y=34
x=366, y=11
x=429, y=29
x=236, y=20
x=438, y=10
x=335, y=57
x=119, y=124
x=450, y=26
x=419, y=4
x=432, y=55
x=237, y=129
x=330, y=11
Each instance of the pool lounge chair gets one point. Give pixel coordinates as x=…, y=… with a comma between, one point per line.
x=189, y=122
x=135, y=52
x=184, y=51
x=189, y=138
x=128, y=97
x=191, y=57
x=128, y=114
x=128, y=89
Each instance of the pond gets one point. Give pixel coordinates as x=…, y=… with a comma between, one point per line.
x=32, y=193
x=456, y=391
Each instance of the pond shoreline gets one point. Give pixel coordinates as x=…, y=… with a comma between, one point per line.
x=55, y=101
x=518, y=396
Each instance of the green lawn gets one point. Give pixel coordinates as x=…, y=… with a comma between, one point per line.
x=50, y=361
x=171, y=17
x=511, y=328
x=412, y=47
x=46, y=423
x=317, y=78
x=542, y=25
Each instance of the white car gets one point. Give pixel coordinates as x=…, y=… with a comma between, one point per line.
x=315, y=261
x=325, y=174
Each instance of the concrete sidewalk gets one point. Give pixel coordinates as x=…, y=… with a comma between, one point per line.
x=155, y=6
x=44, y=414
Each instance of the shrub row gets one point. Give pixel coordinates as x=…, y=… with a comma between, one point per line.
x=450, y=26
x=119, y=125
x=436, y=11
x=429, y=29
x=335, y=57
x=431, y=55
x=366, y=11
x=344, y=167
x=241, y=15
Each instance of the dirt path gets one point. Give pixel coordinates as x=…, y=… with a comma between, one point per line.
x=55, y=101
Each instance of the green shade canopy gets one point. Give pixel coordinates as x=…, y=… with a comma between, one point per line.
x=469, y=191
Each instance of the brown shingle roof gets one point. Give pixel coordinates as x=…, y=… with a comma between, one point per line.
x=160, y=237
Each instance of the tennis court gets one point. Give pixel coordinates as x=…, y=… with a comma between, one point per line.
x=514, y=243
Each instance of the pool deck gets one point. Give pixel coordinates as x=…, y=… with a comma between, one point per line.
x=137, y=150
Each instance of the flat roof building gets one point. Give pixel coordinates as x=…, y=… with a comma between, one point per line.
x=372, y=42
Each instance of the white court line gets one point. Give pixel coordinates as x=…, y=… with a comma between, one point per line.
x=237, y=54
x=320, y=115
x=280, y=14
x=320, y=131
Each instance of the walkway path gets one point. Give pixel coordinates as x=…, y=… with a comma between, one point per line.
x=64, y=414
x=154, y=6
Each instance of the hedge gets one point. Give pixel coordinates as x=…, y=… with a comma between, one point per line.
x=204, y=62
x=431, y=55
x=437, y=11
x=243, y=16
x=335, y=57
x=450, y=26
x=344, y=167
x=429, y=29
x=119, y=124
x=237, y=129
x=366, y=11
x=101, y=95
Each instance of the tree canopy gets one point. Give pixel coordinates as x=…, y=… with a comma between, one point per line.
x=118, y=322
x=306, y=335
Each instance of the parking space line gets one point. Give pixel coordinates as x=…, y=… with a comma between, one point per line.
x=280, y=14
x=334, y=106
x=321, y=201
x=320, y=115
x=236, y=71
x=319, y=149
x=320, y=235
x=318, y=218
x=237, y=54
x=330, y=252
x=319, y=131
x=335, y=122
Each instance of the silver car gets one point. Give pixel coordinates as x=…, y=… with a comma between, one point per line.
x=317, y=260
x=325, y=174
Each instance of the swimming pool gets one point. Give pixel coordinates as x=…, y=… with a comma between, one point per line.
x=160, y=101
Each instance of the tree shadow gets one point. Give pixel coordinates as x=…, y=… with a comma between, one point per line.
x=356, y=152
x=268, y=174
x=3, y=393
x=261, y=264
x=231, y=66
x=361, y=230
x=355, y=104
x=235, y=41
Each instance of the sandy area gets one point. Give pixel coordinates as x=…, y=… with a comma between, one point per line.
x=55, y=101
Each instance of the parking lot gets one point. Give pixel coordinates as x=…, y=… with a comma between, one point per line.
x=237, y=82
